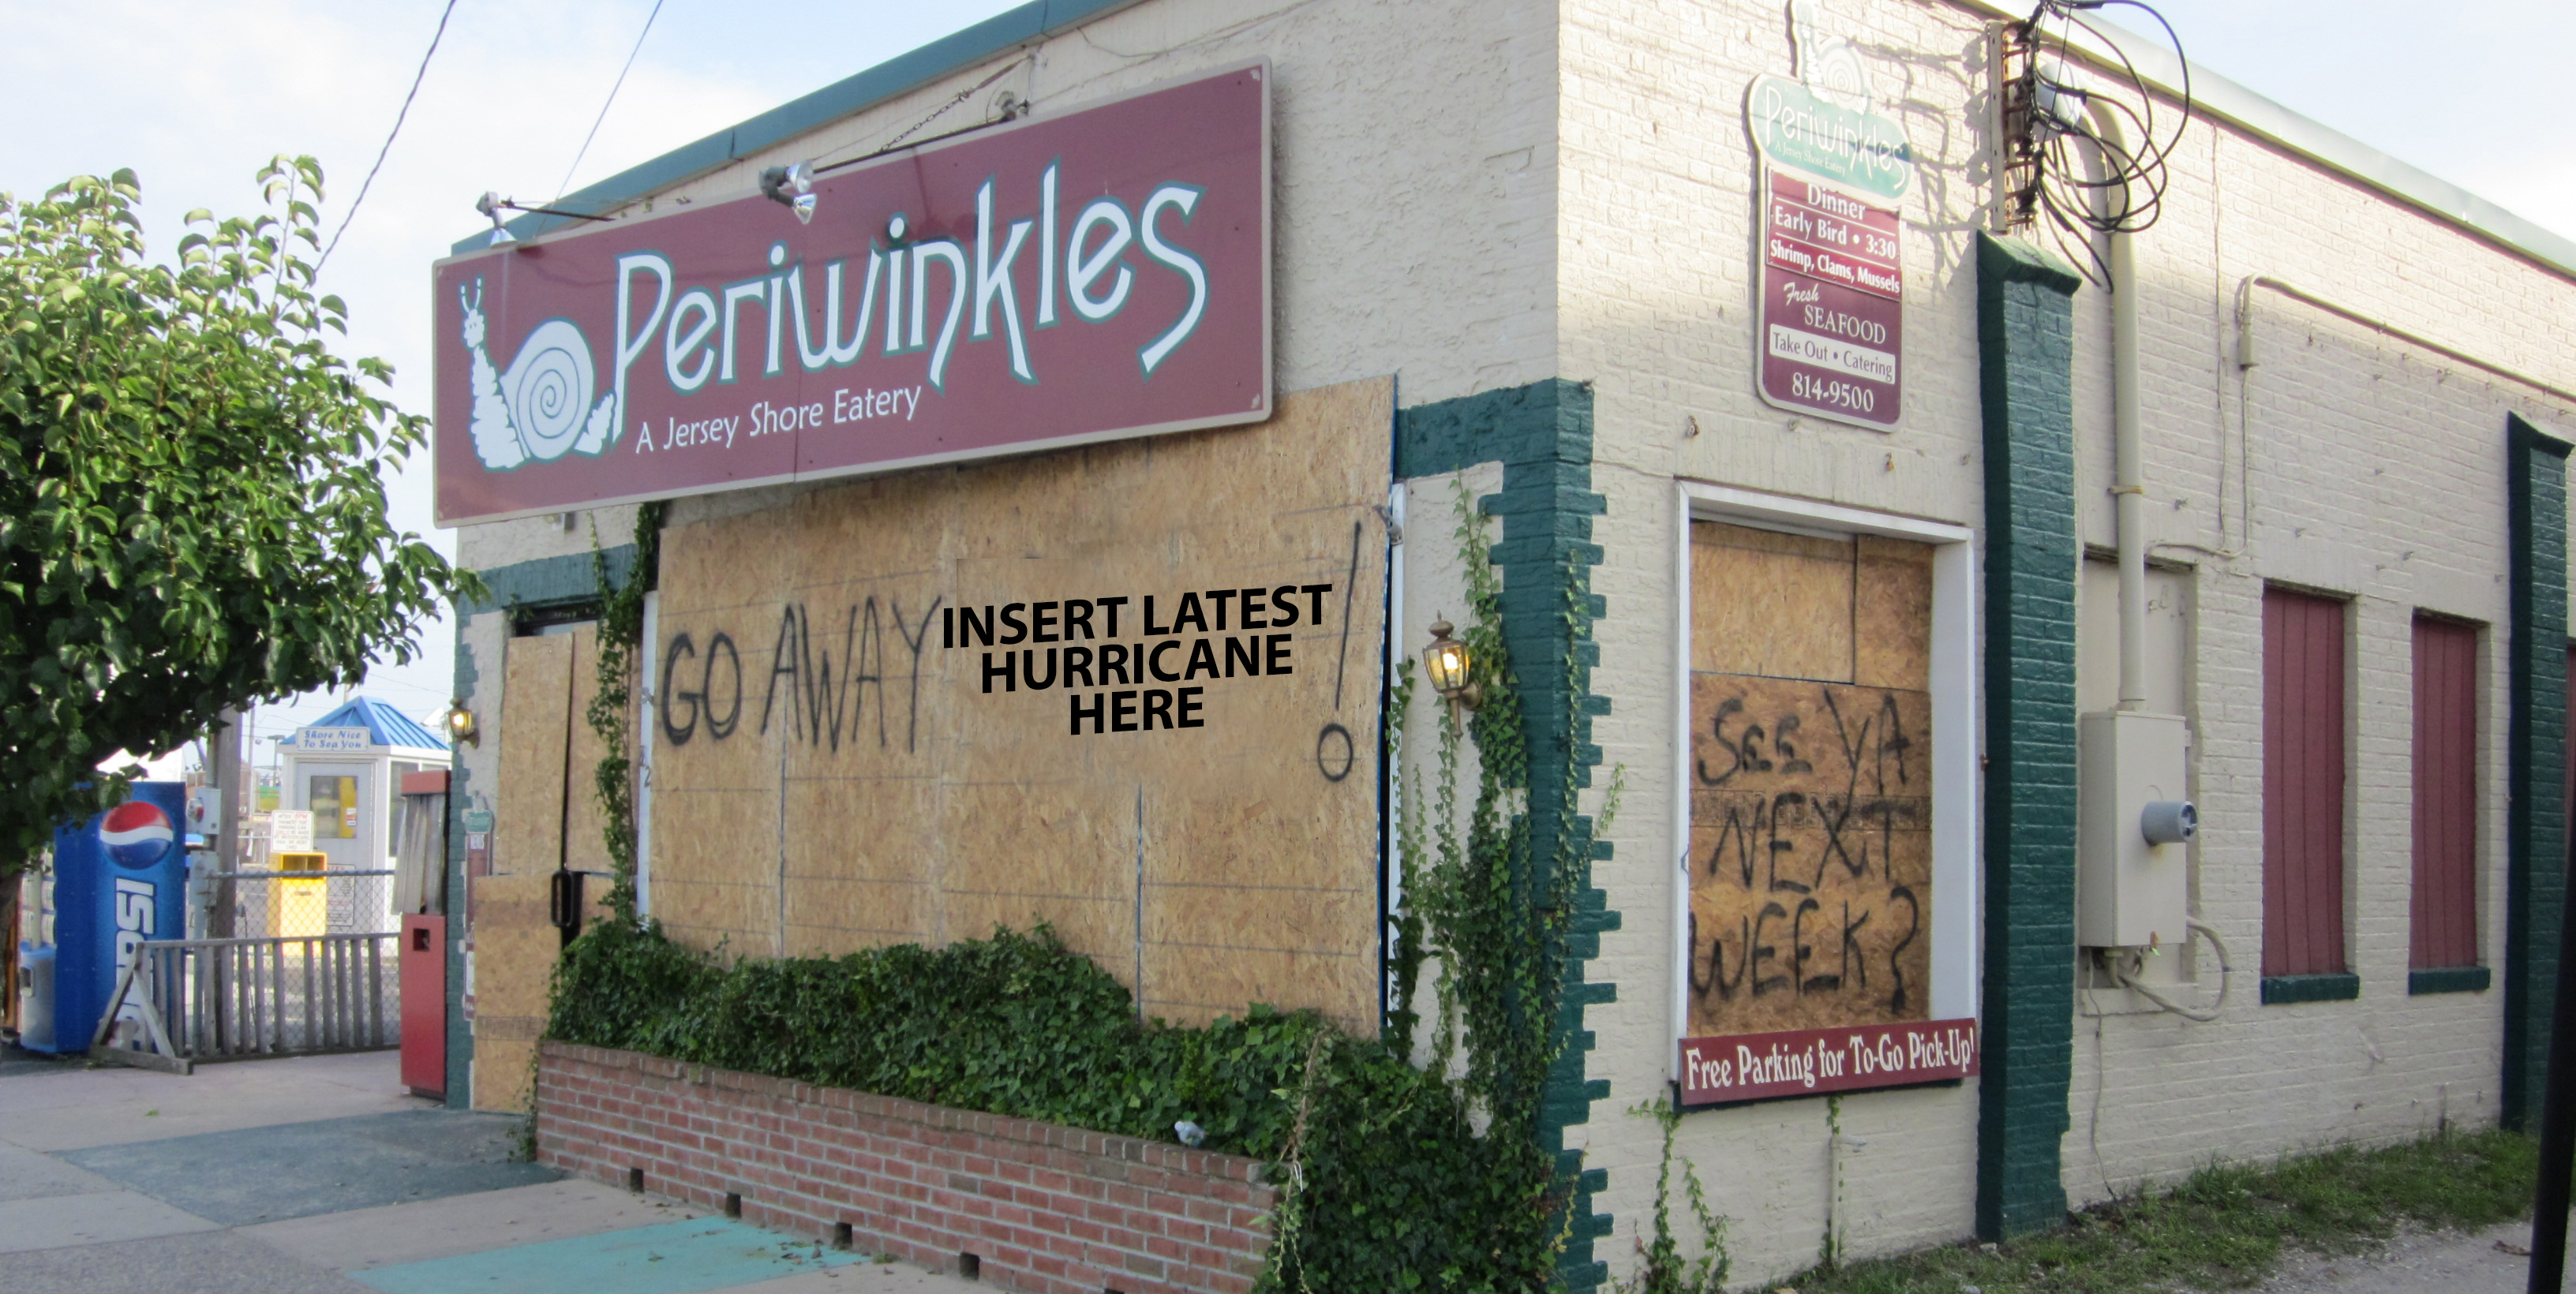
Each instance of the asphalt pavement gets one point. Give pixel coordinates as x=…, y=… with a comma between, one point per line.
x=320, y=1175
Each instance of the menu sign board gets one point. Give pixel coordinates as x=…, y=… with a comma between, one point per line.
x=1058, y=280
x=1833, y=292
x=1830, y=253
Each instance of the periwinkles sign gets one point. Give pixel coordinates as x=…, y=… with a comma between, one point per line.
x=1053, y=281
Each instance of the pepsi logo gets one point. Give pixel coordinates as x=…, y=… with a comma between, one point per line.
x=136, y=835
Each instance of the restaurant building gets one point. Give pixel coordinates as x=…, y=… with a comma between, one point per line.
x=2085, y=698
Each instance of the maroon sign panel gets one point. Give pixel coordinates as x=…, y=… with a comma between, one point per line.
x=1803, y=1062
x=1833, y=291
x=1053, y=281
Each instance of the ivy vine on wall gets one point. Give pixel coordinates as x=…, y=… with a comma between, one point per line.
x=612, y=702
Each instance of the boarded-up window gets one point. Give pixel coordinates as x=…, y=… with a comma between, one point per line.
x=2445, y=913
x=2303, y=784
x=1811, y=809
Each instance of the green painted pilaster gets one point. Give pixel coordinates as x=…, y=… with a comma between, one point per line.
x=1542, y=436
x=2025, y=335
x=2536, y=817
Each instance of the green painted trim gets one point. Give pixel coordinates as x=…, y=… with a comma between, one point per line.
x=1542, y=436
x=547, y=581
x=900, y=75
x=2026, y=345
x=2281, y=989
x=2449, y=979
x=2536, y=753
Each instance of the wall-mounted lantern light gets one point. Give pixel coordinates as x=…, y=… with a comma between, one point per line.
x=462, y=730
x=1445, y=662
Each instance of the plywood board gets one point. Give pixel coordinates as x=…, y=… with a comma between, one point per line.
x=515, y=948
x=1764, y=602
x=585, y=827
x=1810, y=775
x=866, y=768
x=1811, y=855
x=536, y=695
x=1892, y=613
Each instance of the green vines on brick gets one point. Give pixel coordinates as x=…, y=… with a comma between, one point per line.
x=1663, y=1269
x=621, y=635
x=1490, y=908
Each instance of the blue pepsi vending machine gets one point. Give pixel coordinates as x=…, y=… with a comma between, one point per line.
x=119, y=879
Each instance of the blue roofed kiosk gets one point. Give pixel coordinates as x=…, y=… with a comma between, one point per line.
x=346, y=768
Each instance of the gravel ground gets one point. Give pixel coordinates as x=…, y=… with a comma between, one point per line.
x=2492, y=1261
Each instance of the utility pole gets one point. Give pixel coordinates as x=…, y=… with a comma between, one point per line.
x=229, y=793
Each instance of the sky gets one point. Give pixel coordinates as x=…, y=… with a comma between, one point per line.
x=196, y=96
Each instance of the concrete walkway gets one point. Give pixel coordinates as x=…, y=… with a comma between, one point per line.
x=317, y=1174
x=2493, y=1261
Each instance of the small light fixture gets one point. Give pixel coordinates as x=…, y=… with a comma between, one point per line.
x=461, y=726
x=491, y=204
x=791, y=186
x=1445, y=662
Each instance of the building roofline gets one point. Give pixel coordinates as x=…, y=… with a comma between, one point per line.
x=1040, y=19
x=1003, y=32
x=2219, y=97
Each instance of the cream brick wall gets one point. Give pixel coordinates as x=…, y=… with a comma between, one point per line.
x=1480, y=195
x=1413, y=158
x=2374, y=469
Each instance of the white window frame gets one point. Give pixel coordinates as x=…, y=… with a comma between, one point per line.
x=1958, y=898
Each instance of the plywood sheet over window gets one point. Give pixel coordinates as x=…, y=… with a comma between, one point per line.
x=1811, y=800
x=829, y=776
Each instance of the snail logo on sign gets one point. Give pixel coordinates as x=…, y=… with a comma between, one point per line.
x=540, y=408
x=1830, y=259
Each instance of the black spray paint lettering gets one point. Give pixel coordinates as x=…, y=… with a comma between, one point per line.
x=826, y=696
x=698, y=702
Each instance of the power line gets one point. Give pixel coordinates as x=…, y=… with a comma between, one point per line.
x=584, y=151
x=416, y=79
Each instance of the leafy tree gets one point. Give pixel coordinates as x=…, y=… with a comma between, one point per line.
x=192, y=500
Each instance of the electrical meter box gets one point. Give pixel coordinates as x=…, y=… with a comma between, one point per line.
x=2129, y=891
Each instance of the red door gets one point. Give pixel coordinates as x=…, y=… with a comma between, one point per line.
x=424, y=1004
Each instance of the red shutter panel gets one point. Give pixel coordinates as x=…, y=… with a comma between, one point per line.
x=2445, y=915
x=2303, y=784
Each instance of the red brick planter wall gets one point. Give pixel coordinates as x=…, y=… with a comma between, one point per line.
x=1048, y=1209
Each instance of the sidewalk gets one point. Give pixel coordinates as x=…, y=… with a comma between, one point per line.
x=2493, y=1261
x=316, y=1175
